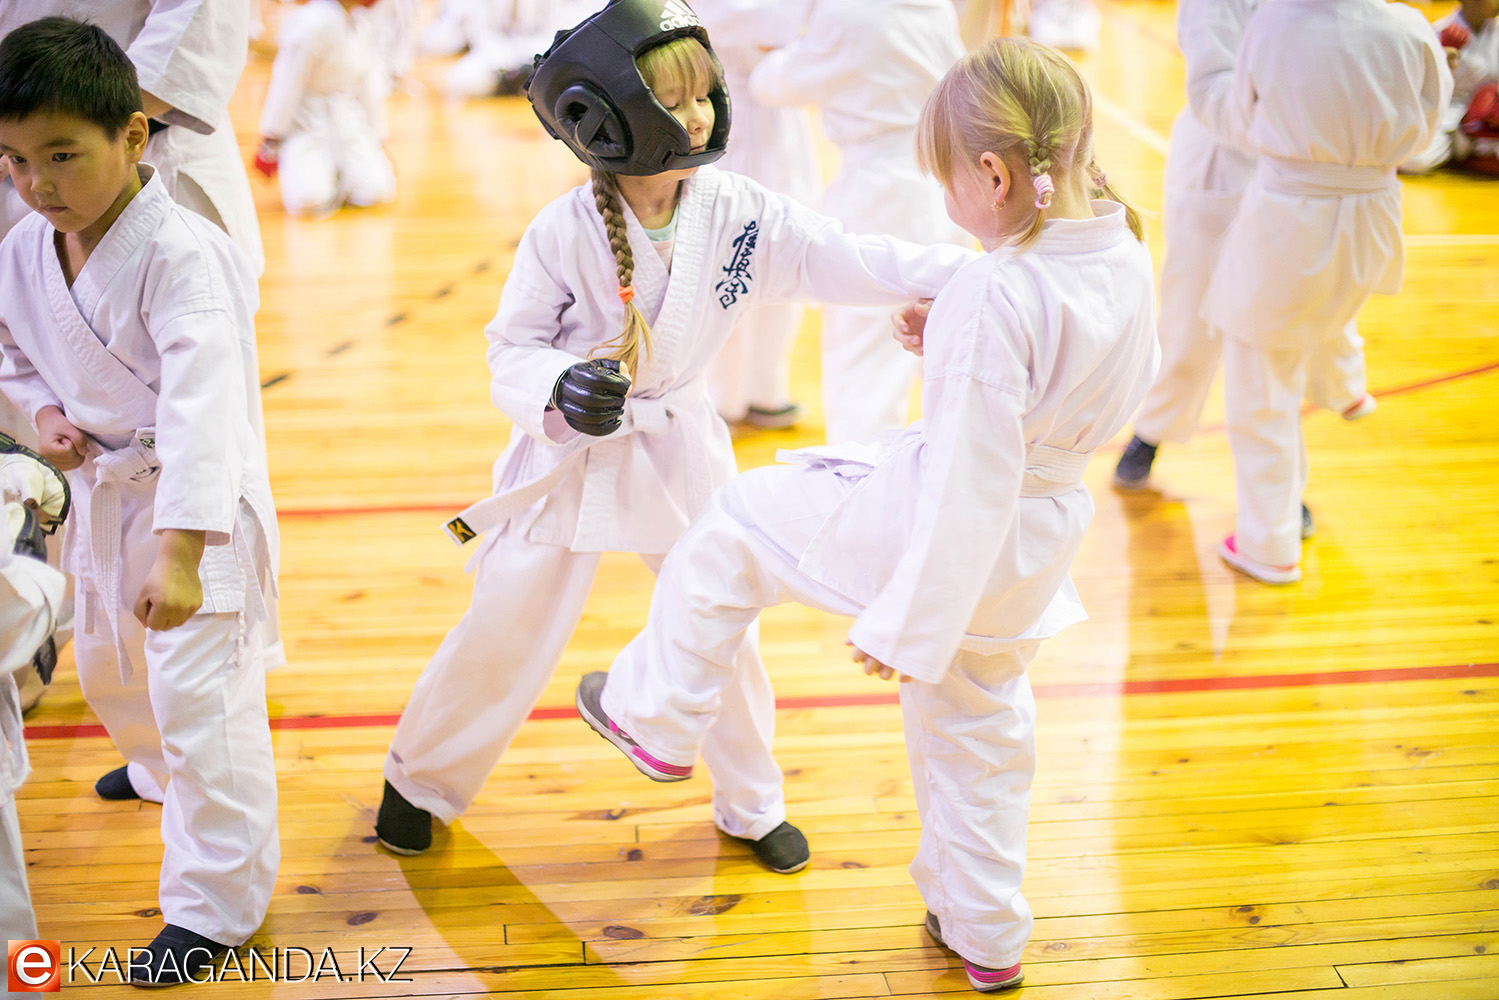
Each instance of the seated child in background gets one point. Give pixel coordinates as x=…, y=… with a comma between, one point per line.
x=323, y=121
x=1470, y=36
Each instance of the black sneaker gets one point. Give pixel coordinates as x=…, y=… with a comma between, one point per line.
x=1308, y=526
x=176, y=956
x=589, y=700
x=783, y=850
x=1133, y=470
x=981, y=978
x=777, y=418
x=115, y=786
x=401, y=827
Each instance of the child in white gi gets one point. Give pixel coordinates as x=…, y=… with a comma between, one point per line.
x=126, y=328
x=1470, y=36
x=868, y=65
x=751, y=380
x=33, y=497
x=675, y=252
x=948, y=543
x=323, y=121
x=1207, y=169
x=1331, y=96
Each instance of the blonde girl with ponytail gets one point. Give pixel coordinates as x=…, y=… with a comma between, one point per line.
x=948, y=544
x=621, y=294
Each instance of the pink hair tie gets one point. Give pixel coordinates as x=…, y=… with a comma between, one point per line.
x=1044, y=190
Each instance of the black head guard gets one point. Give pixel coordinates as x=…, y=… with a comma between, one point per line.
x=588, y=92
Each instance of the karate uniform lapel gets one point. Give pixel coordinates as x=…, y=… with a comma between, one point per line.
x=102, y=366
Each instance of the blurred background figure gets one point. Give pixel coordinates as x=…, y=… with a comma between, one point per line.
x=503, y=38
x=323, y=123
x=1071, y=25
x=1470, y=37
x=752, y=380
x=868, y=65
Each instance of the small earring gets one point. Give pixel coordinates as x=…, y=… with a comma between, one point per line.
x=997, y=205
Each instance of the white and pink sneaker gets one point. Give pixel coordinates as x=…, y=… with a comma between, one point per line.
x=590, y=706
x=1263, y=572
x=980, y=977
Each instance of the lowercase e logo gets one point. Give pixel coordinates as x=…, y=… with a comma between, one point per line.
x=34, y=966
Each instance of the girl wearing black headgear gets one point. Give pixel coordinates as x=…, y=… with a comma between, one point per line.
x=621, y=294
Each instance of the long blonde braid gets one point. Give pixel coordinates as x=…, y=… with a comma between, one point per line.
x=633, y=344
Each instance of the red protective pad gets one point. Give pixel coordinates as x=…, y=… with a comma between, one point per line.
x=1455, y=36
x=266, y=161
x=1482, y=118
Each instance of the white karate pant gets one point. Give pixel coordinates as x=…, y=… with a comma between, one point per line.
x=17, y=920
x=1194, y=223
x=192, y=724
x=970, y=738
x=1262, y=394
x=754, y=366
x=337, y=159
x=487, y=675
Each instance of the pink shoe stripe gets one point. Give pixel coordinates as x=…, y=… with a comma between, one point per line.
x=681, y=770
x=991, y=976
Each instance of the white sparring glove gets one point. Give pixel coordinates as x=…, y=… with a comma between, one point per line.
x=27, y=478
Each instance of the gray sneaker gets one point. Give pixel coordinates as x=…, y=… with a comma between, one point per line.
x=590, y=706
x=1133, y=470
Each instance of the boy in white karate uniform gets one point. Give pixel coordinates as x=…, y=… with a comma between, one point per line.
x=1470, y=35
x=948, y=543
x=323, y=121
x=33, y=500
x=126, y=335
x=1331, y=96
x=868, y=65
x=671, y=252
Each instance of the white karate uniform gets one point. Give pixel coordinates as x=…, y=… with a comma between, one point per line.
x=773, y=146
x=326, y=103
x=948, y=543
x=869, y=65
x=562, y=497
x=31, y=594
x=1318, y=229
x=1065, y=24
x=1207, y=168
x=189, y=53
x=1477, y=66
x=153, y=344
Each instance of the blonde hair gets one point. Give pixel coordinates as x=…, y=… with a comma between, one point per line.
x=687, y=62
x=1024, y=102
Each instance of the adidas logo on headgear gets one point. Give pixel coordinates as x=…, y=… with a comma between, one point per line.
x=677, y=14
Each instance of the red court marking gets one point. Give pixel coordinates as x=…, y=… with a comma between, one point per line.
x=1111, y=689
x=448, y=509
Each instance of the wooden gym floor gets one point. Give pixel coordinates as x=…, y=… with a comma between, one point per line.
x=1243, y=791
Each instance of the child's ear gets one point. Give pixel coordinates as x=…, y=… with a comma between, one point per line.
x=996, y=173
x=137, y=131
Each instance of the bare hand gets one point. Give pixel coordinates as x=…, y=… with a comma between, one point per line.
x=872, y=666
x=172, y=592
x=910, y=325
x=62, y=444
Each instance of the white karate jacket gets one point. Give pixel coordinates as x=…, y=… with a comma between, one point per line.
x=155, y=339
x=327, y=77
x=962, y=528
x=1332, y=95
x=737, y=243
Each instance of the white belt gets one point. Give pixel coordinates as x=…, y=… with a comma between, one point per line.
x=1322, y=180
x=643, y=415
x=1050, y=472
x=134, y=463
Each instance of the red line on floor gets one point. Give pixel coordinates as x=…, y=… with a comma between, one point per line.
x=1109, y=689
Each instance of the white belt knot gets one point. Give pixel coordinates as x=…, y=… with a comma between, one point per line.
x=1050, y=472
x=134, y=463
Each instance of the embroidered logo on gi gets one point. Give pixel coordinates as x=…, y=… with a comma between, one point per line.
x=676, y=14
x=737, y=275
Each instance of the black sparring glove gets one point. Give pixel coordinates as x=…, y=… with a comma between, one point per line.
x=591, y=397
